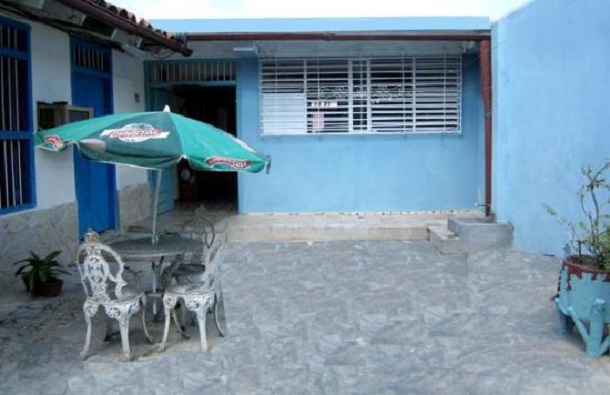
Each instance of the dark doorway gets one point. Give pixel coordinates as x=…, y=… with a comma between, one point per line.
x=216, y=106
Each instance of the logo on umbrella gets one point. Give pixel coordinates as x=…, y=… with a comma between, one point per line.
x=234, y=163
x=135, y=133
x=54, y=140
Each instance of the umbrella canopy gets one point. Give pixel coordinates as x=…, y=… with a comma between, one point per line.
x=154, y=140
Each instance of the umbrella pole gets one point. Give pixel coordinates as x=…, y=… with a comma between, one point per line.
x=155, y=237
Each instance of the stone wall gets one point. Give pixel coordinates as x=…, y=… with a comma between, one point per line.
x=40, y=231
x=46, y=230
x=134, y=205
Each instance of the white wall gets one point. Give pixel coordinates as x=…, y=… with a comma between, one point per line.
x=51, y=82
x=128, y=81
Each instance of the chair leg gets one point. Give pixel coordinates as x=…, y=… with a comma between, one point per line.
x=566, y=324
x=200, y=304
x=594, y=340
x=89, y=310
x=219, y=315
x=169, y=303
x=148, y=336
x=123, y=320
x=201, y=313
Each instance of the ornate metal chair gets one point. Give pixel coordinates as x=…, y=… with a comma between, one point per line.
x=203, y=229
x=198, y=286
x=101, y=270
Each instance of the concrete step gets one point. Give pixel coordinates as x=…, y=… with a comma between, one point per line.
x=108, y=235
x=444, y=240
x=482, y=233
x=325, y=232
x=279, y=227
x=463, y=235
x=330, y=227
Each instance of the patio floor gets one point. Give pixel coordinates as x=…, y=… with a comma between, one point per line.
x=343, y=317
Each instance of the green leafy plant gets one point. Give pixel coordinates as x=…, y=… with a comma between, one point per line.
x=590, y=238
x=37, y=270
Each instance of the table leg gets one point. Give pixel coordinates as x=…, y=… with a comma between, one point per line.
x=156, y=268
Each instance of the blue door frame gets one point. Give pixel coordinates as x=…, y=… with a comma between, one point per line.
x=95, y=182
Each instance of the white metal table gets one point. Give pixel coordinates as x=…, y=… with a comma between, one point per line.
x=141, y=249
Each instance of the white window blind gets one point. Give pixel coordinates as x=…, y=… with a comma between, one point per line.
x=408, y=94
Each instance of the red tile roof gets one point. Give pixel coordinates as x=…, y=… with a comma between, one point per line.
x=130, y=16
x=125, y=19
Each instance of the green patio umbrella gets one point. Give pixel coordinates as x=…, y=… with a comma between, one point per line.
x=154, y=140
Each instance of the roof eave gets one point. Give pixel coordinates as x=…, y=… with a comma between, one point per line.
x=97, y=11
x=343, y=36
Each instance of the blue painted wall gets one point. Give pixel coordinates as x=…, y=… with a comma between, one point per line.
x=552, y=113
x=372, y=173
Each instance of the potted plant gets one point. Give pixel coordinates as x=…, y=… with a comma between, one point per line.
x=584, y=282
x=41, y=274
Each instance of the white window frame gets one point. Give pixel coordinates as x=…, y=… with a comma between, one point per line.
x=361, y=95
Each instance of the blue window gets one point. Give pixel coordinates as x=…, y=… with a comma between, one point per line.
x=16, y=150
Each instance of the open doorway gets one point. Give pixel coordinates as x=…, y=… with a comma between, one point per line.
x=217, y=191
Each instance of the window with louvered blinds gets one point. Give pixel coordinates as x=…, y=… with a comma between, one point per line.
x=398, y=95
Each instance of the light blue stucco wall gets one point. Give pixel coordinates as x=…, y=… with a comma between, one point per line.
x=552, y=113
x=372, y=173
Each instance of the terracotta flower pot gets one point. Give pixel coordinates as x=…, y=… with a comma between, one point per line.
x=50, y=288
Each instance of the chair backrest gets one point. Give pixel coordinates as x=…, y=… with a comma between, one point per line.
x=211, y=258
x=214, y=256
x=203, y=227
x=101, y=269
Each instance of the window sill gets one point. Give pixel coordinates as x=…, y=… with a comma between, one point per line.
x=360, y=134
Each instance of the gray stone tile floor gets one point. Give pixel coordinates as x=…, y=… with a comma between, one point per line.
x=357, y=317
